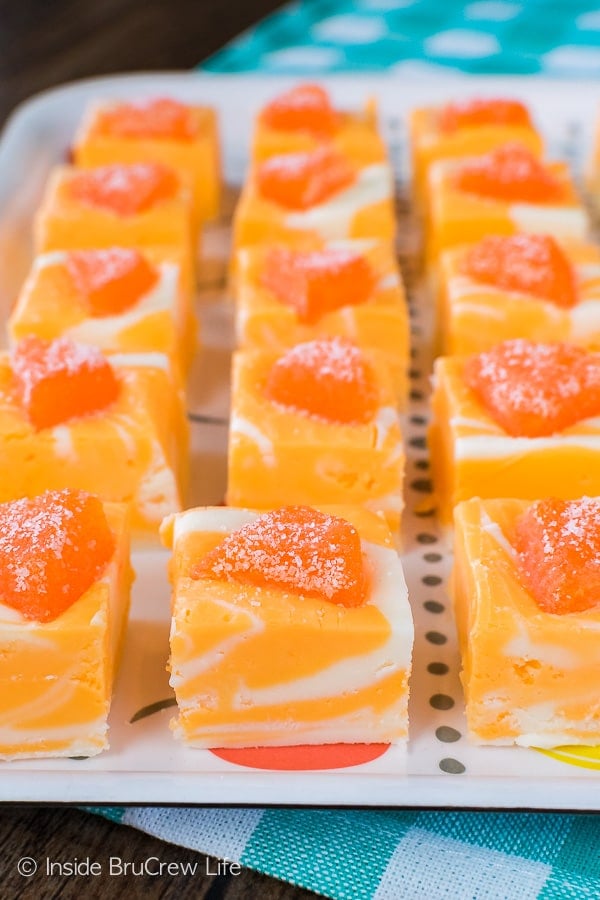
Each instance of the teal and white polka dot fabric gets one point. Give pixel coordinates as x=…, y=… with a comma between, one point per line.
x=489, y=37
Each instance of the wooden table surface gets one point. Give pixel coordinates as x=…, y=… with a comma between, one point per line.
x=44, y=43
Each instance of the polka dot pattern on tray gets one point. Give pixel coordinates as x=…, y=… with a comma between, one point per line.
x=490, y=37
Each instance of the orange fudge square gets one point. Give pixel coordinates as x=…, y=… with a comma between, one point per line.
x=474, y=455
x=56, y=702
x=271, y=664
x=466, y=128
x=479, y=310
x=300, y=451
x=299, y=198
x=133, y=449
x=304, y=117
x=376, y=317
x=160, y=130
x=459, y=216
x=530, y=676
x=90, y=209
x=119, y=299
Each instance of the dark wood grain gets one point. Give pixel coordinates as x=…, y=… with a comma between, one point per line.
x=62, y=836
x=44, y=43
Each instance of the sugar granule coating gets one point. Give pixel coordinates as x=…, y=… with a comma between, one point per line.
x=302, y=180
x=124, y=189
x=295, y=548
x=330, y=379
x=111, y=280
x=482, y=111
x=160, y=118
x=60, y=380
x=510, y=173
x=527, y=263
x=533, y=389
x=52, y=549
x=306, y=107
x=558, y=553
x=316, y=283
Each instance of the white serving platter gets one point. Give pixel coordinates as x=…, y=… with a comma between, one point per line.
x=144, y=763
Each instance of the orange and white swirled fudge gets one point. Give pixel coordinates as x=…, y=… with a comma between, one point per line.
x=138, y=205
x=297, y=198
x=526, y=588
x=64, y=597
x=505, y=192
x=315, y=425
x=346, y=289
x=71, y=417
x=520, y=420
x=520, y=286
x=159, y=130
x=290, y=627
x=119, y=299
x=466, y=128
x=304, y=118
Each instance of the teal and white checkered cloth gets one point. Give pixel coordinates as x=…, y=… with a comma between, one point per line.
x=393, y=855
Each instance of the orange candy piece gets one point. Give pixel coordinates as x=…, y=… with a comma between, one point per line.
x=317, y=283
x=511, y=173
x=480, y=112
x=558, y=554
x=302, y=180
x=329, y=379
x=297, y=549
x=60, y=380
x=158, y=118
x=53, y=548
x=527, y=263
x=111, y=280
x=124, y=190
x=535, y=390
x=306, y=107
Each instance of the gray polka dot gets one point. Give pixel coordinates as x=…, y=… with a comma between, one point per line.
x=447, y=735
x=437, y=668
x=436, y=637
x=441, y=701
x=418, y=420
x=432, y=580
x=419, y=443
x=433, y=606
x=425, y=538
x=417, y=395
x=423, y=485
x=432, y=557
x=421, y=464
x=452, y=766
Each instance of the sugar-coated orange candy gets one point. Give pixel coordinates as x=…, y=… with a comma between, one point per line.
x=124, y=189
x=52, y=550
x=330, y=379
x=306, y=107
x=318, y=282
x=111, y=280
x=302, y=180
x=558, y=553
x=528, y=263
x=61, y=380
x=533, y=389
x=482, y=111
x=511, y=173
x=158, y=118
x=297, y=549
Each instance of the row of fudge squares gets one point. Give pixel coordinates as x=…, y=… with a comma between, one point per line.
x=294, y=626
x=288, y=627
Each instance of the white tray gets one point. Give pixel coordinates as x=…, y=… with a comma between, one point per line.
x=144, y=763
